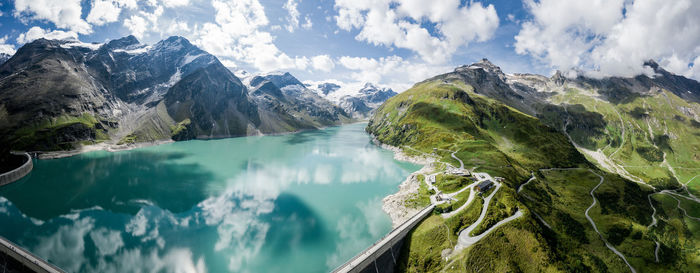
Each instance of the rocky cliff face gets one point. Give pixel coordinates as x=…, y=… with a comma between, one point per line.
x=57, y=95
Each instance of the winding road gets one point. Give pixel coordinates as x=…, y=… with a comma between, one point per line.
x=595, y=201
x=520, y=188
x=461, y=164
x=465, y=240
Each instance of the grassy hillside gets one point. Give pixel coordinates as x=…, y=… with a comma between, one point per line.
x=651, y=137
x=554, y=235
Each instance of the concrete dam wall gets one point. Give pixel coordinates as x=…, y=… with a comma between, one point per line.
x=17, y=174
x=383, y=255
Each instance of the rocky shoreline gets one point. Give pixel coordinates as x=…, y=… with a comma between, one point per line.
x=124, y=147
x=395, y=204
x=97, y=147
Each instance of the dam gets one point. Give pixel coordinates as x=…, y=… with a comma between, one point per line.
x=382, y=255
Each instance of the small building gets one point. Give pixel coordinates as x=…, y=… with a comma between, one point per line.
x=484, y=186
x=431, y=179
x=459, y=172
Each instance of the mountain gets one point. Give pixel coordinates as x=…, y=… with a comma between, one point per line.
x=283, y=93
x=60, y=95
x=4, y=57
x=357, y=103
x=632, y=143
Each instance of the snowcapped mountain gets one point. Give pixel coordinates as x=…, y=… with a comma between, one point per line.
x=359, y=102
x=58, y=95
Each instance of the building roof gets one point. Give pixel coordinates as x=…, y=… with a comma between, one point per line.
x=484, y=184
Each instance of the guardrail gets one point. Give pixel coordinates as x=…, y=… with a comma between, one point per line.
x=26, y=258
x=363, y=258
x=17, y=174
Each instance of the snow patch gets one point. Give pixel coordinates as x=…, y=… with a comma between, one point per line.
x=134, y=51
x=81, y=44
x=189, y=58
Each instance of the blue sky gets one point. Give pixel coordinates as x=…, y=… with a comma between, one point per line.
x=391, y=42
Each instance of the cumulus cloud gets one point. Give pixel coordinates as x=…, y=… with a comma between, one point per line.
x=400, y=24
x=393, y=71
x=108, y=11
x=5, y=47
x=236, y=35
x=137, y=25
x=64, y=14
x=612, y=37
x=323, y=63
x=37, y=32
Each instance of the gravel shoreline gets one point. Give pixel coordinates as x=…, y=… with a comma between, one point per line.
x=97, y=147
x=395, y=204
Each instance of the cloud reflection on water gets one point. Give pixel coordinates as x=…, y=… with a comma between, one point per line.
x=258, y=211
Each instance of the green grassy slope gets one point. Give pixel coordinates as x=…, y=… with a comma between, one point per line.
x=637, y=134
x=502, y=141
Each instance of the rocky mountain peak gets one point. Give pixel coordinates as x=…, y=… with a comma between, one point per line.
x=172, y=44
x=375, y=94
x=123, y=42
x=282, y=80
x=328, y=87
x=487, y=65
x=558, y=78
x=652, y=64
x=370, y=88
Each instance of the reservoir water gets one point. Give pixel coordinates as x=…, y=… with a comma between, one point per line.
x=303, y=202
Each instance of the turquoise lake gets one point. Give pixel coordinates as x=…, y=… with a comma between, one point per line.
x=303, y=202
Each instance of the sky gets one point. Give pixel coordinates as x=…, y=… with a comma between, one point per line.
x=393, y=43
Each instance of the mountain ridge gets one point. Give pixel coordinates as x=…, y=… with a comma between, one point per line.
x=62, y=95
x=617, y=153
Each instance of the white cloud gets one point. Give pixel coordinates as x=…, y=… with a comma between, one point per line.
x=393, y=71
x=5, y=47
x=322, y=62
x=108, y=11
x=137, y=25
x=385, y=23
x=293, y=17
x=178, y=27
x=103, y=11
x=175, y=3
x=37, y=32
x=597, y=36
x=64, y=14
x=236, y=35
